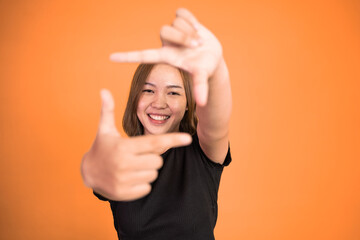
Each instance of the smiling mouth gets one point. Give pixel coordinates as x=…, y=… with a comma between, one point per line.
x=159, y=117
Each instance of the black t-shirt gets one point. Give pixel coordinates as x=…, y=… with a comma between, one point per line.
x=182, y=203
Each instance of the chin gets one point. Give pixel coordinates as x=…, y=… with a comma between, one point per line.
x=159, y=131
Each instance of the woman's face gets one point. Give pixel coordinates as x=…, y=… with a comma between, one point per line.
x=162, y=102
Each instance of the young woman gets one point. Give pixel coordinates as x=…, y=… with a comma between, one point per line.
x=159, y=188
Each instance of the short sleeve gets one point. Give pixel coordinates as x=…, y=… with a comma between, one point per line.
x=227, y=159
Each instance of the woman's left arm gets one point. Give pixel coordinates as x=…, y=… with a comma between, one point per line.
x=189, y=45
x=214, y=117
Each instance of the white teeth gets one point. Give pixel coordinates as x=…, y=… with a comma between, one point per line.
x=158, y=117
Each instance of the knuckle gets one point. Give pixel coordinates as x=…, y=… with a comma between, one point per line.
x=153, y=175
x=158, y=162
x=164, y=30
x=118, y=192
x=111, y=188
x=177, y=22
x=122, y=179
x=147, y=188
x=140, y=190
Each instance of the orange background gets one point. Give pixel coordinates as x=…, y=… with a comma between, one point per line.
x=295, y=130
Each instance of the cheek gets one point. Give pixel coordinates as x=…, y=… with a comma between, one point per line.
x=140, y=110
x=141, y=105
x=179, y=106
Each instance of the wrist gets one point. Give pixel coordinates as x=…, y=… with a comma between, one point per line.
x=221, y=72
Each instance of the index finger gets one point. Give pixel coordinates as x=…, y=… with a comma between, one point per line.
x=144, y=56
x=159, y=143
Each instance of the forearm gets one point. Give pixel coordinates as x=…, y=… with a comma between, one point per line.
x=214, y=117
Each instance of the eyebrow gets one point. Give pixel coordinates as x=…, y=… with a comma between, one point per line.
x=168, y=86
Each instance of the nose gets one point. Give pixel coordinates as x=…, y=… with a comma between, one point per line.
x=159, y=101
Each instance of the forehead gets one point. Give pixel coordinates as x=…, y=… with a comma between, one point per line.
x=163, y=74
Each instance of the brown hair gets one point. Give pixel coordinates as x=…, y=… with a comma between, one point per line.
x=131, y=124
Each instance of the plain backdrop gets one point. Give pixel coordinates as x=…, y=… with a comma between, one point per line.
x=295, y=128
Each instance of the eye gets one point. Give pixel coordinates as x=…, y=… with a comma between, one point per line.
x=174, y=93
x=147, y=91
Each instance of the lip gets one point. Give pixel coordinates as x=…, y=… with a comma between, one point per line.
x=158, y=118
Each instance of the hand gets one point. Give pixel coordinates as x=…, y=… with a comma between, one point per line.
x=122, y=169
x=187, y=45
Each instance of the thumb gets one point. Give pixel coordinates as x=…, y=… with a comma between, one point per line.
x=107, y=118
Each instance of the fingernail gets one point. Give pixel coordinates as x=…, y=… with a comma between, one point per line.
x=111, y=57
x=116, y=57
x=103, y=92
x=186, y=138
x=105, y=95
